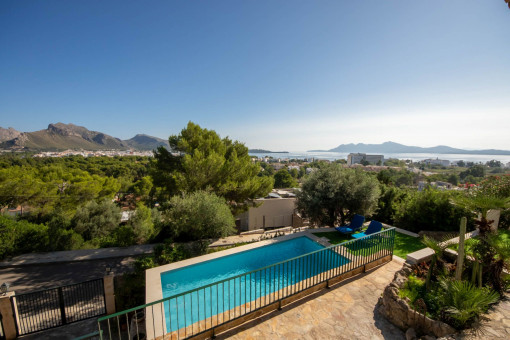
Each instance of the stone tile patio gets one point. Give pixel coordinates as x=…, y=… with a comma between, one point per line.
x=346, y=311
x=497, y=326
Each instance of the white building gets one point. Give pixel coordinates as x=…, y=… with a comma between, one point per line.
x=508, y=165
x=269, y=213
x=438, y=185
x=358, y=158
x=437, y=161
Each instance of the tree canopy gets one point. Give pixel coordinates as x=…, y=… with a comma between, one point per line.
x=200, y=160
x=197, y=216
x=283, y=179
x=96, y=219
x=332, y=194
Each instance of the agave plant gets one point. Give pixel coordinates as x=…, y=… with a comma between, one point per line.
x=464, y=301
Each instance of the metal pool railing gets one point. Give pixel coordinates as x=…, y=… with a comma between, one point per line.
x=215, y=307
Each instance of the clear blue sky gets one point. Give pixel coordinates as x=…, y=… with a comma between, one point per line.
x=275, y=74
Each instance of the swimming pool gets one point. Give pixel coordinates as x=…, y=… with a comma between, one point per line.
x=233, y=281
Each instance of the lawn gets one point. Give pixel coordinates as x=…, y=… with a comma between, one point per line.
x=404, y=244
x=503, y=234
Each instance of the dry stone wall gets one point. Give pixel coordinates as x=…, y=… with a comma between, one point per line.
x=398, y=311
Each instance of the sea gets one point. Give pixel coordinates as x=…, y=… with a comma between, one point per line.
x=415, y=157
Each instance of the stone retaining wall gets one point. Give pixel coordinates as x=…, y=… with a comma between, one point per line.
x=398, y=311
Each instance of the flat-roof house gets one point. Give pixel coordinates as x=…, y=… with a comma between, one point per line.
x=437, y=161
x=359, y=158
x=269, y=212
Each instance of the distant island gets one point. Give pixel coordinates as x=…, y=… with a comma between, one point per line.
x=265, y=151
x=391, y=147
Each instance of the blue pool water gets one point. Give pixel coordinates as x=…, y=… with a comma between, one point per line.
x=226, y=294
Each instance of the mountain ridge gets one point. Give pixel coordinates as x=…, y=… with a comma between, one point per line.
x=60, y=136
x=392, y=147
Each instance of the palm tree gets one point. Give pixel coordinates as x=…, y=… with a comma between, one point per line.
x=482, y=203
x=464, y=301
x=500, y=261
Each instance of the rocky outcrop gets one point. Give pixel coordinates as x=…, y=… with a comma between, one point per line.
x=398, y=311
x=8, y=134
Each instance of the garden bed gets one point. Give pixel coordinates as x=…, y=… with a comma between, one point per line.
x=397, y=310
x=434, y=299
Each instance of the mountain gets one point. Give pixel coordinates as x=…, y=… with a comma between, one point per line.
x=61, y=136
x=391, y=147
x=145, y=142
x=8, y=134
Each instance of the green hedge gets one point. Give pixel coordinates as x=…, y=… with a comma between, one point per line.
x=20, y=237
x=431, y=210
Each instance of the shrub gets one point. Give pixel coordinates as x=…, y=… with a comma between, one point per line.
x=463, y=302
x=413, y=289
x=430, y=210
x=387, y=205
x=142, y=225
x=130, y=288
x=95, y=220
x=497, y=186
x=20, y=237
x=504, y=219
x=196, y=216
x=283, y=179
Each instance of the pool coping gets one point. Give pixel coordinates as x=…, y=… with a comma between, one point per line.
x=154, y=290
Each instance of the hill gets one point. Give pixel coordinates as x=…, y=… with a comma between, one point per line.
x=62, y=136
x=145, y=142
x=391, y=147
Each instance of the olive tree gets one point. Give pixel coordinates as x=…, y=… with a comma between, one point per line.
x=333, y=194
x=96, y=219
x=197, y=216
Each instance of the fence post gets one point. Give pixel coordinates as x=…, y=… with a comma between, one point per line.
x=62, y=306
x=7, y=311
x=109, y=294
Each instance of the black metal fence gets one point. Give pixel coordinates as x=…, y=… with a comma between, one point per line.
x=55, y=307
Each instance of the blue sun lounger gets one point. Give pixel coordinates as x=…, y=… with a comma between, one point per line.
x=373, y=227
x=356, y=224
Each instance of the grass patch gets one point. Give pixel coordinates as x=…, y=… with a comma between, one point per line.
x=413, y=289
x=503, y=236
x=404, y=244
x=334, y=237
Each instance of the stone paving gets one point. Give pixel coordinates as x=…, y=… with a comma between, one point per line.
x=497, y=326
x=346, y=311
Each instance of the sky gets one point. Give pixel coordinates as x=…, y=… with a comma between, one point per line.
x=280, y=75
